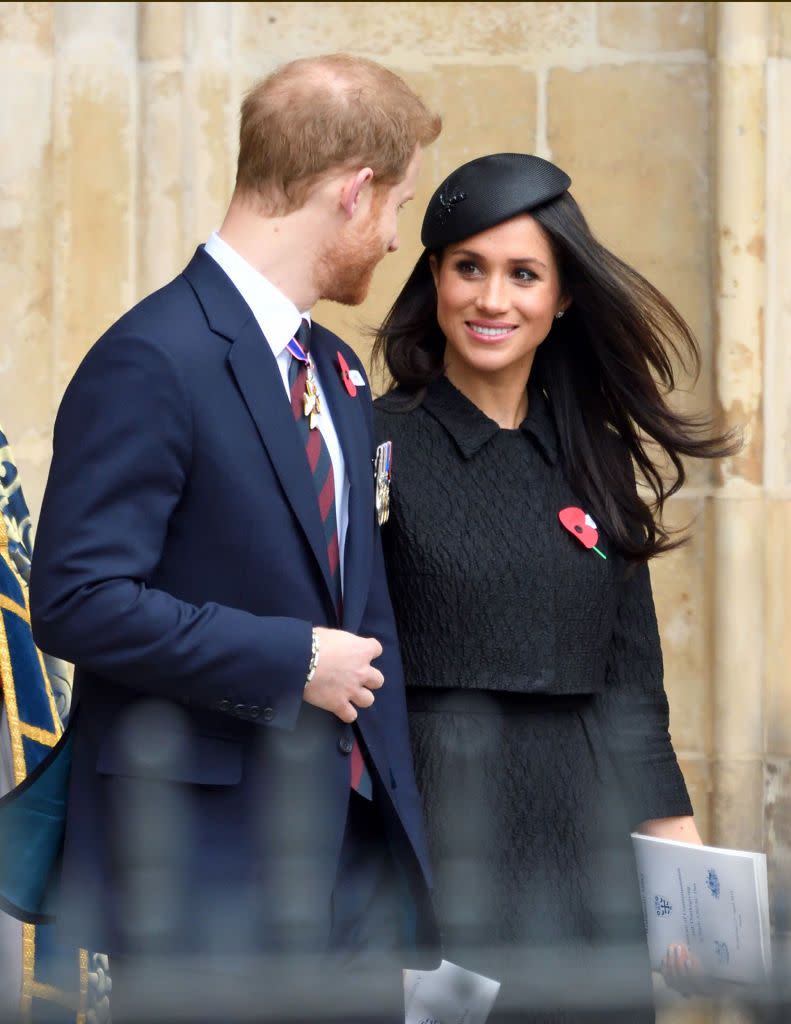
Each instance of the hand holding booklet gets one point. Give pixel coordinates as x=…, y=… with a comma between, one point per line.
x=713, y=900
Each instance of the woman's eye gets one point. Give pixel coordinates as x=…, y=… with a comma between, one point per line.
x=523, y=274
x=466, y=268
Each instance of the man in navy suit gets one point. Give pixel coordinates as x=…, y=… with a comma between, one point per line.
x=208, y=556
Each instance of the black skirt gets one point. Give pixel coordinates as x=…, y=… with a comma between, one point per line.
x=534, y=872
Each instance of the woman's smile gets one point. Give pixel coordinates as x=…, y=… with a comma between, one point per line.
x=490, y=331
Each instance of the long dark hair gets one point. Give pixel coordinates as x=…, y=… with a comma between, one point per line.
x=607, y=368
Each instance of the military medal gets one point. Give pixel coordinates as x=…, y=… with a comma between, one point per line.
x=580, y=525
x=311, y=400
x=383, y=467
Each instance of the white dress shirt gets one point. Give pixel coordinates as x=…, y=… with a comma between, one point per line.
x=279, y=319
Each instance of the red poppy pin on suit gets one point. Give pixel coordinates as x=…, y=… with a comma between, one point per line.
x=580, y=525
x=348, y=383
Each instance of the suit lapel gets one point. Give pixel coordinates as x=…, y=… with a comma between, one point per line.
x=349, y=420
x=258, y=378
x=261, y=386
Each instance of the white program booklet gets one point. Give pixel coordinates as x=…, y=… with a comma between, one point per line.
x=714, y=901
x=449, y=995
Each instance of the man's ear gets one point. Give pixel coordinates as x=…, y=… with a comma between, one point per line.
x=353, y=188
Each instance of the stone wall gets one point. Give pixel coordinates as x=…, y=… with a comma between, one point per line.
x=119, y=124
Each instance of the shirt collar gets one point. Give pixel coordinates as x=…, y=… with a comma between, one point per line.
x=275, y=313
x=471, y=429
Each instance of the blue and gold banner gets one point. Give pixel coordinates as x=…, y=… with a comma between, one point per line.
x=53, y=982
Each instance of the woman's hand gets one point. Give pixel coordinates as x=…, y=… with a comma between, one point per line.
x=683, y=972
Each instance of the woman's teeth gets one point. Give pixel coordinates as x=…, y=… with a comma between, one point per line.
x=491, y=332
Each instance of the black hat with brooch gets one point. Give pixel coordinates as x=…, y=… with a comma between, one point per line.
x=487, y=191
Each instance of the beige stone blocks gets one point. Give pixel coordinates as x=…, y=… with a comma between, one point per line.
x=418, y=32
x=186, y=106
x=738, y=803
x=780, y=31
x=777, y=626
x=160, y=201
x=466, y=98
x=96, y=33
x=777, y=799
x=161, y=143
x=679, y=581
x=93, y=165
x=26, y=244
x=211, y=173
x=739, y=537
x=26, y=31
x=777, y=371
x=740, y=281
x=94, y=152
x=209, y=33
x=160, y=30
x=742, y=32
x=210, y=119
x=652, y=26
x=27, y=236
x=634, y=139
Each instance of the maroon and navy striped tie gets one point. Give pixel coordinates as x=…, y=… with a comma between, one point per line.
x=324, y=478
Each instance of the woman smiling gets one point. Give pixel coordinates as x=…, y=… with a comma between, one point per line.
x=530, y=372
x=495, y=305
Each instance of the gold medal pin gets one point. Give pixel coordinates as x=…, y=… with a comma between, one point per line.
x=311, y=400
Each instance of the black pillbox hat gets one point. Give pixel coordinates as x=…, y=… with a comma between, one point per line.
x=485, y=192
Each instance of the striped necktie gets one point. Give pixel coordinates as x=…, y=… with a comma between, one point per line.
x=324, y=480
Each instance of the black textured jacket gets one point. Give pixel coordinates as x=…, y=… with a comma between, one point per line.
x=491, y=592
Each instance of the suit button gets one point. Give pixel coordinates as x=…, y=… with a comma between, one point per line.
x=346, y=744
x=224, y=705
x=240, y=709
x=268, y=714
x=255, y=711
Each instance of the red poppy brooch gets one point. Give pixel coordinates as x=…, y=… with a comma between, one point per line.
x=580, y=525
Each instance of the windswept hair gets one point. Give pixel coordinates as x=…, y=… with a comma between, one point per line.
x=607, y=368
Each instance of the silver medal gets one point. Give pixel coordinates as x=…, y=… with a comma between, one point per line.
x=383, y=466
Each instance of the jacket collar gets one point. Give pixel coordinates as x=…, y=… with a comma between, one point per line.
x=276, y=314
x=225, y=309
x=471, y=429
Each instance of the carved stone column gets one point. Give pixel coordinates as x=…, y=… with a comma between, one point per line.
x=739, y=536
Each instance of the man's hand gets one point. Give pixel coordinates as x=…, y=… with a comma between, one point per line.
x=344, y=679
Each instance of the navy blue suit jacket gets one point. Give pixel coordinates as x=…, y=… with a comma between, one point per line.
x=180, y=564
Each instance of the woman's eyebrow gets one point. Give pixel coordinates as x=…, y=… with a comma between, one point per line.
x=472, y=254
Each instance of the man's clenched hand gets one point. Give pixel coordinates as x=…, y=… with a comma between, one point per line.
x=344, y=679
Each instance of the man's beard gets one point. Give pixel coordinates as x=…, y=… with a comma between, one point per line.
x=346, y=268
